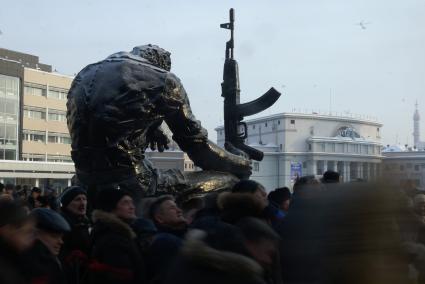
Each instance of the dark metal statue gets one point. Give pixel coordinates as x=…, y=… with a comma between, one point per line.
x=234, y=112
x=115, y=109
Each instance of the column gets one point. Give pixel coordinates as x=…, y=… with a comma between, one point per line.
x=325, y=166
x=347, y=170
x=37, y=182
x=69, y=182
x=335, y=166
x=313, y=167
x=360, y=170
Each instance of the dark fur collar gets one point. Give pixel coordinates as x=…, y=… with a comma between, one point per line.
x=200, y=254
x=113, y=223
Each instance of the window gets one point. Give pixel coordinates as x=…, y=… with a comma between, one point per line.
x=256, y=166
x=58, y=138
x=253, y=126
x=60, y=115
x=278, y=122
x=332, y=147
x=9, y=154
x=293, y=121
x=35, y=90
x=309, y=147
x=57, y=93
x=33, y=157
x=59, y=159
x=265, y=124
x=34, y=113
x=280, y=147
x=36, y=136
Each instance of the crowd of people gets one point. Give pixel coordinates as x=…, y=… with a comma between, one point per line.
x=322, y=232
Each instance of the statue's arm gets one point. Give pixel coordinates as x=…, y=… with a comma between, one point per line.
x=192, y=138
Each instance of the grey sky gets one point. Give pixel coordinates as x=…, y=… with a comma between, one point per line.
x=307, y=49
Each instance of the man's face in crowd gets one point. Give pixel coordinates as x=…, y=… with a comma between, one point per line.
x=263, y=251
x=261, y=195
x=78, y=205
x=169, y=214
x=35, y=194
x=52, y=240
x=125, y=208
x=19, y=237
x=420, y=208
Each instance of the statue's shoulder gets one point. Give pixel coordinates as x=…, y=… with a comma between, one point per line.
x=131, y=59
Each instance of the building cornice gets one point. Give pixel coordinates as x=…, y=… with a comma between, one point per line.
x=345, y=119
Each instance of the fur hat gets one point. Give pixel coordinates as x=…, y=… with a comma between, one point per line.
x=108, y=198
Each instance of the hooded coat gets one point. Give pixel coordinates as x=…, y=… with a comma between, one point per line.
x=114, y=254
x=200, y=263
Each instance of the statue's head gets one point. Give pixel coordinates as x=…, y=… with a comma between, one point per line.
x=154, y=54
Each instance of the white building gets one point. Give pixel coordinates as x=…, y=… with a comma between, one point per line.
x=403, y=165
x=297, y=144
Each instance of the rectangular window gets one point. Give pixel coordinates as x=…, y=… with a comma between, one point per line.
x=60, y=115
x=59, y=159
x=33, y=157
x=253, y=126
x=265, y=124
x=57, y=93
x=35, y=90
x=292, y=121
x=256, y=166
x=36, y=136
x=58, y=138
x=34, y=113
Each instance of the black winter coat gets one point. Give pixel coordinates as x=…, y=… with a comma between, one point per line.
x=199, y=263
x=114, y=255
x=75, y=249
x=12, y=267
x=46, y=268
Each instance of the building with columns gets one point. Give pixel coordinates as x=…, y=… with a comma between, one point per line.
x=404, y=165
x=299, y=144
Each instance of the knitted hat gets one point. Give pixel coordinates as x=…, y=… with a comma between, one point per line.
x=108, y=198
x=70, y=193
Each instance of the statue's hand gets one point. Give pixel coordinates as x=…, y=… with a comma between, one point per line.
x=157, y=139
x=242, y=169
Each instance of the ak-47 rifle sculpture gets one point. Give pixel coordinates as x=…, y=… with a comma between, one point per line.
x=234, y=111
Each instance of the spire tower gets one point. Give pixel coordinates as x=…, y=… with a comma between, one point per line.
x=416, y=130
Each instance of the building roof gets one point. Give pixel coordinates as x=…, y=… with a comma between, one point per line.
x=350, y=118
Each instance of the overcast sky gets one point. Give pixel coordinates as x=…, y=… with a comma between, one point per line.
x=313, y=51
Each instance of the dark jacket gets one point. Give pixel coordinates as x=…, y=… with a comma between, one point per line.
x=11, y=265
x=114, y=254
x=46, y=268
x=200, y=263
x=75, y=249
x=162, y=252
